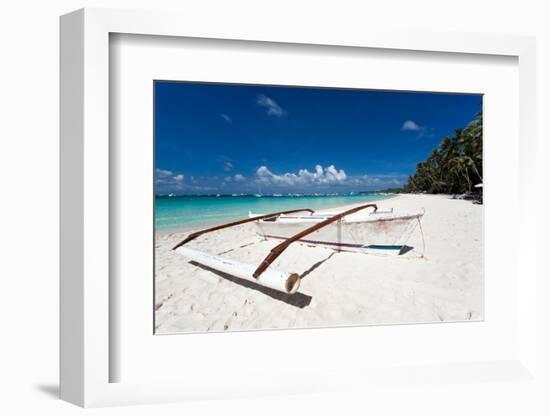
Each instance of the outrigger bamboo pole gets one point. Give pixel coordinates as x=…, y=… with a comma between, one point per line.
x=277, y=250
x=274, y=279
x=239, y=222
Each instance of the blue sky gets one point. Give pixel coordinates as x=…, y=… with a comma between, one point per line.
x=229, y=138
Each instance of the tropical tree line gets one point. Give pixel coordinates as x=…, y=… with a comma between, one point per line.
x=455, y=166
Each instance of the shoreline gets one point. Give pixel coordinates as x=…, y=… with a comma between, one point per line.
x=199, y=226
x=337, y=288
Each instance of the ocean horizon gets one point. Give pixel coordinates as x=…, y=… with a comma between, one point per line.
x=174, y=213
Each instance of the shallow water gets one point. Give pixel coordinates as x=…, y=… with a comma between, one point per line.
x=185, y=212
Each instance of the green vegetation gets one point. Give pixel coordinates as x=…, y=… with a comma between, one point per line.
x=455, y=166
x=383, y=191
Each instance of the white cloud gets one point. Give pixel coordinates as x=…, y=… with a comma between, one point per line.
x=325, y=178
x=422, y=131
x=410, y=125
x=273, y=109
x=321, y=176
x=227, y=166
x=237, y=178
x=226, y=118
x=167, y=178
x=164, y=173
x=318, y=179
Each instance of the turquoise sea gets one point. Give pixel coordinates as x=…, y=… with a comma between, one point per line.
x=186, y=212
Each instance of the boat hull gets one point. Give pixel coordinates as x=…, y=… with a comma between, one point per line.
x=374, y=231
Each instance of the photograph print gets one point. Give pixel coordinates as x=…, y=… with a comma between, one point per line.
x=286, y=207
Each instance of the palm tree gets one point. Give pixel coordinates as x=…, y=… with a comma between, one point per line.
x=454, y=164
x=459, y=166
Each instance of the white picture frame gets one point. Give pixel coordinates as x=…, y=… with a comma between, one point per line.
x=85, y=220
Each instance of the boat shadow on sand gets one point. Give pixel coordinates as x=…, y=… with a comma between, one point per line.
x=298, y=300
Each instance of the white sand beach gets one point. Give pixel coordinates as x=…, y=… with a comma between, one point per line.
x=337, y=288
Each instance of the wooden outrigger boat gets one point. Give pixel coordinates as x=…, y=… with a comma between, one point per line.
x=351, y=230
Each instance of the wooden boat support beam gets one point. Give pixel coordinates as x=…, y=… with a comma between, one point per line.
x=239, y=222
x=277, y=251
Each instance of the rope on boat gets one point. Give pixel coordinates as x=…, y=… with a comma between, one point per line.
x=422, y=234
